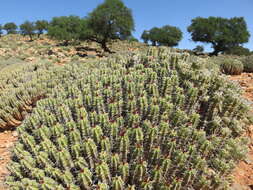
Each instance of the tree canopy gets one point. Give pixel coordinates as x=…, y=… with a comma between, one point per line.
x=166, y=35
x=199, y=49
x=10, y=27
x=169, y=36
x=222, y=33
x=145, y=36
x=41, y=26
x=1, y=31
x=110, y=20
x=66, y=28
x=154, y=35
x=27, y=28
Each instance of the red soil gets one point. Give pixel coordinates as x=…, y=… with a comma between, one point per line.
x=243, y=174
x=7, y=140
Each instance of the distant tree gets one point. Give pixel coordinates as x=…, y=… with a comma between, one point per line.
x=154, y=34
x=237, y=50
x=145, y=36
x=28, y=28
x=110, y=20
x=169, y=36
x=166, y=35
x=132, y=39
x=66, y=28
x=11, y=28
x=1, y=30
x=199, y=49
x=222, y=33
x=41, y=26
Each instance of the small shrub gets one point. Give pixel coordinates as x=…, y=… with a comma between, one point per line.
x=229, y=65
x=248, y=64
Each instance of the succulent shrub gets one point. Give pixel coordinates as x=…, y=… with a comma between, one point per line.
x=22, y=85
x=150, y=122
x=229, y=65
x=248, y=64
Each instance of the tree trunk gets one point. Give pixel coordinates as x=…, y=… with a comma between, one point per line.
x=215, y=52
x=217, y=48
x=66, y=43
x=104, y=46
x=31, y=37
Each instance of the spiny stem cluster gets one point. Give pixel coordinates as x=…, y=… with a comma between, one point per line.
x=149, y=122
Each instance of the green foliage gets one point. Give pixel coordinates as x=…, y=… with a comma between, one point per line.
x=166, y=35
x=248, y=63
x=238, y=50
x=1, y=30
x=199, y=49
x=41, y=26
x=229, y=65
x=110, y=20
x=145, y=36
x=66, y=28
x=154, y=121
x=11, y=28
x=132, y=39
x=27, y=28
x=222, y=33
x=154, y=35
x=169, y=36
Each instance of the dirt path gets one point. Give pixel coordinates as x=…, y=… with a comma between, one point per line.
x=7, y=140
x=243, y=174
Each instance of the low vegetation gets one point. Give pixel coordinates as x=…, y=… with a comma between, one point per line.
x=248, y=63
x=96, y=109
x=154, y=120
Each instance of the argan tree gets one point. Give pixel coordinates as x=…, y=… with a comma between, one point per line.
x=169, y=36
x=10, y=27
x=110, y=20
x=145, y=36
x=222, y=33
x=154, y=35
x=66, y=28
x=28, y=28
x=199, y=49
x=1, y=31
x=41, y=26
x=166, y=35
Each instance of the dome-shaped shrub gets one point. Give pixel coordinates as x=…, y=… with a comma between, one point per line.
x=230, y=65
x=150, y=123
x=248, y=64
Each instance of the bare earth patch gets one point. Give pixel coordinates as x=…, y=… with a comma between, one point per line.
x=243, y=174
x=7, y=140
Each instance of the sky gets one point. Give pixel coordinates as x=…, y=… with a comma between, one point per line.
x=147, y=13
